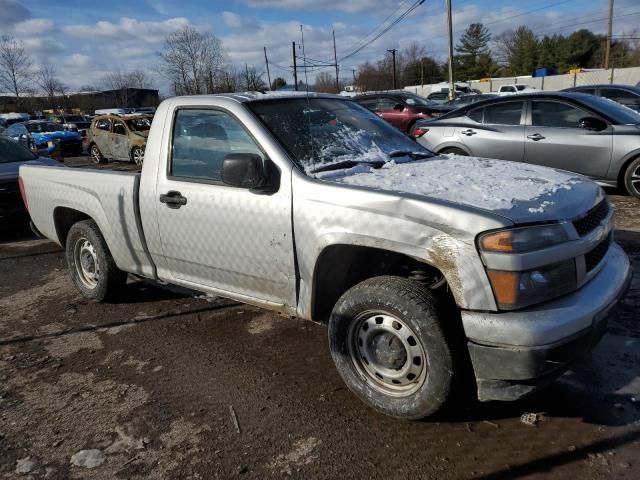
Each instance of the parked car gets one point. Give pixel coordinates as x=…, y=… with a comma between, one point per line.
x=573, y=131
x=428, y=270
x=459, y=102
x=438, y=97
x=145, y=110
x=12, y=155
x=626, y=95
x=116, y=137
x=11, y=118
x=400, y=109
x=72, y=123
x=40, y=134
x=515, y=89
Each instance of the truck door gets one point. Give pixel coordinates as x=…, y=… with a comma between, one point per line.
x=222, y=237
x=119, y=141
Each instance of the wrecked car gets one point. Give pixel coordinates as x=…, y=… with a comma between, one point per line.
x=115, y=137
x=431, y=272
x=43, y=136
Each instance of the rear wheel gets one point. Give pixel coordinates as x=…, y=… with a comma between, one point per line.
x=632, y=178
x=388, y=343
x=96, y=154
x=91, y=265
x=454, y=151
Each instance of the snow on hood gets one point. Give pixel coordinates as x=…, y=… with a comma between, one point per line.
x=516, y=190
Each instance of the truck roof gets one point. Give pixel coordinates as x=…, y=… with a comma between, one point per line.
x=256, y=96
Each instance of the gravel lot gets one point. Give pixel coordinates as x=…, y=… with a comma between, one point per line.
x=166, y=385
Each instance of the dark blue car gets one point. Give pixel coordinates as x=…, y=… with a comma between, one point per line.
x=42, y=135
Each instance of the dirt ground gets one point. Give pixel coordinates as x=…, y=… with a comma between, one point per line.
x=165, y=385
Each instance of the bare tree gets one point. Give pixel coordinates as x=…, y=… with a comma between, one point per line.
x=193, y=61
x=325, y=83
x=15, y=66
x=47, y=79
x=119, y=83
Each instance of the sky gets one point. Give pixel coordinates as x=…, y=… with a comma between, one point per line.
x=85, y=39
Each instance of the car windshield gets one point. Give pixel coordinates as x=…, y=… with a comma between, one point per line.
x=13, y=151
x=139, y=124
x=42, y=127
x=620, y=114
x=321, y=132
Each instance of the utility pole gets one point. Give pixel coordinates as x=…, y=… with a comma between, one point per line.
x=452, y=89
x=335, y=59
x=422, y=71
x=295, y=68
x=266, y=60
x=607, y=51
x=246, y=69
x=353, y=70
x=393, y=54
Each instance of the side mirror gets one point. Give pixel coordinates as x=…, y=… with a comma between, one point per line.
x=398, y=106
x=244, y=170
x=592, y=123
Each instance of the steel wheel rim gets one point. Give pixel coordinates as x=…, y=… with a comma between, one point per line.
x=95, y=154
x=138, y=156
x=86, y=263
x=387, y=354
x=635, y=180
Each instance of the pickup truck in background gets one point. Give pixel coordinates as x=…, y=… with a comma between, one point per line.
x=432, y=272
x=515, y=89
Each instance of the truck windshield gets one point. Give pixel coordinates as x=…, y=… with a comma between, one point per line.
x=319, y=132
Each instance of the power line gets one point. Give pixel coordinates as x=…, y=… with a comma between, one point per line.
x=504, y=19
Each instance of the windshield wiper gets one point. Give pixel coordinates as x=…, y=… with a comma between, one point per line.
x=410, y=153
x=348, y=164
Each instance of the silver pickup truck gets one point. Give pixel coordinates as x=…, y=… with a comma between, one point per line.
x=432, y=272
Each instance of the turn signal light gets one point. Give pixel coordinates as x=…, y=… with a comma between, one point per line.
x=497, y=242
x=419, y=131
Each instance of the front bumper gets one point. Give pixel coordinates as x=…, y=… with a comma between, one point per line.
x=513, y=353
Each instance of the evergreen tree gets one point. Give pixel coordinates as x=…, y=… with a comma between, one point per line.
x=474, y=57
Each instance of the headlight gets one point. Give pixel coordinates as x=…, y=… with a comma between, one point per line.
x=520, y=289
x=523, y=239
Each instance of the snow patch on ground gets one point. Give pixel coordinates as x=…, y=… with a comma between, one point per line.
x=485, y=183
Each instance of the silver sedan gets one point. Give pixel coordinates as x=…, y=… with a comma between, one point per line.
x=572, y=131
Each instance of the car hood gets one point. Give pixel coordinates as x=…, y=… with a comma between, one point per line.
x=520, y=192
x=39, y=137
x=9, y=171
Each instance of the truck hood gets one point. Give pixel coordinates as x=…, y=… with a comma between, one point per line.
x=520, y=192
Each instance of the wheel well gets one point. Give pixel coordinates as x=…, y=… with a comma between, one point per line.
x=64, y=218
x=340, y=267
x=448, y=149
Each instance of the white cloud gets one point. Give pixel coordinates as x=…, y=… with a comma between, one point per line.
x=77, y=60
x=128, y=29
x=231, y=19
x=346, y=6
x=33, y=26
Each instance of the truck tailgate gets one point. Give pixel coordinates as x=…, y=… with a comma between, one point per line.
x=109, y=198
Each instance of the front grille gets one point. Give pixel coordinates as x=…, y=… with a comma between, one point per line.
x=595, y=256
x=592, y=218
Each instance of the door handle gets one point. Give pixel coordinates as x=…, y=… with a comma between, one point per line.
x=535, y=137
x=468, y=132
x=173, y=199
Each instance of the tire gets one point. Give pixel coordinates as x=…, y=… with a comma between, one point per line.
x=454, y=151
x=632, y=178
x=137, y=155
x=96, y=154
x=392, y=328
x=91, y=265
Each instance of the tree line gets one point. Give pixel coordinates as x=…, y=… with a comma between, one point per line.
x=511, y=53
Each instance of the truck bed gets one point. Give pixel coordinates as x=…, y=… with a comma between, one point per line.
x=109, y=198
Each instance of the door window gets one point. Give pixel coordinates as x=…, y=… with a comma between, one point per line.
x=503, y=113
x=369, y=103
x=555, y=114
x=201, y=140
x=119, y=129
x=386, y=104
x=621, y=96
x=103, y=124
x=476, y=114
x=590, y=91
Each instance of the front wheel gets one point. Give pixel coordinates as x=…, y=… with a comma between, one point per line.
x=632, y=178
x=96, y=154
x=92, y=268
x=137, y=155
x=388, y=342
